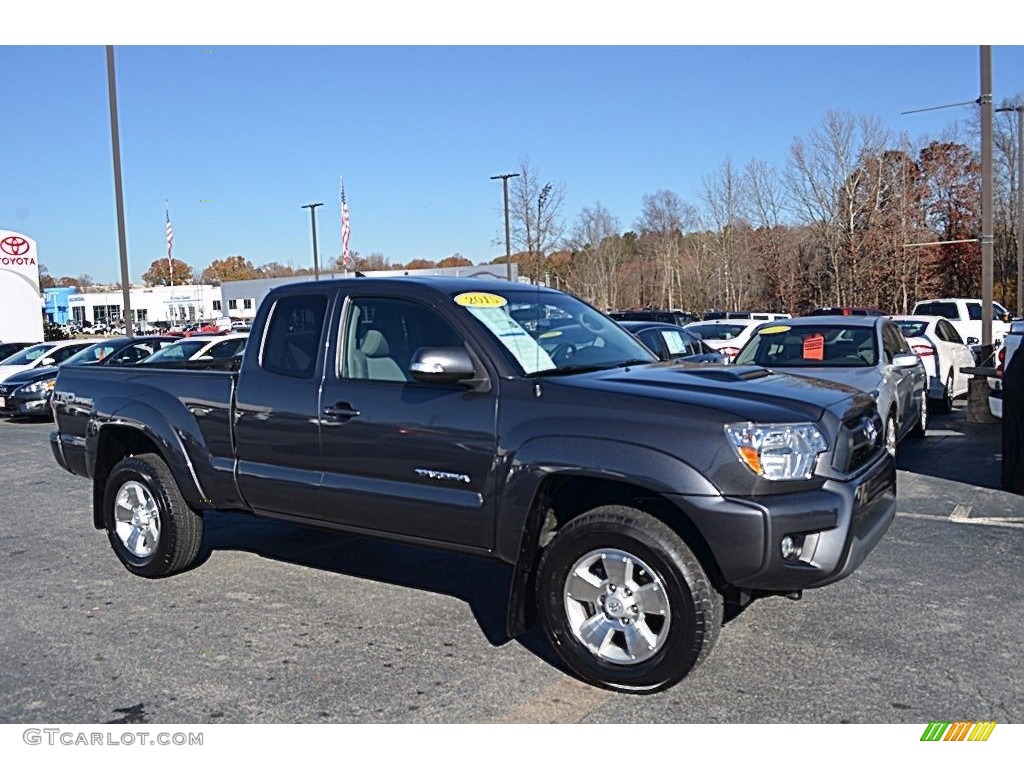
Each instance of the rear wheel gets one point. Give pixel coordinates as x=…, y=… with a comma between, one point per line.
x=150, y=526
x=945, y=405
x=624, y=602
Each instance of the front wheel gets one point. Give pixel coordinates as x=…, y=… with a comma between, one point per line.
x=624, y=602
x=150, y=526
x=921, y=425
x=891, y=438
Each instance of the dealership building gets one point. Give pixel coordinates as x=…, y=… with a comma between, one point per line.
x=237, y=299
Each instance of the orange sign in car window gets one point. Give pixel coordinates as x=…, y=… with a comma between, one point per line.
x=814, y=347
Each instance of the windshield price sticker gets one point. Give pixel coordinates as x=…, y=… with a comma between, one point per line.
x=814, y=347
x=476, y=299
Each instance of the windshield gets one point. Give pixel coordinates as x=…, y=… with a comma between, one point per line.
x=826, y=346
x=547, y=332
x=180, y=350
x=716, y=331
x=89, y=355
x=28, y=355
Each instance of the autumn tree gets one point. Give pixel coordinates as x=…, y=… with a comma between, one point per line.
x=952, y=175
x=276, y=269
x=228, y=269
x=455, y=260
x=159, y=273
x=418, y=264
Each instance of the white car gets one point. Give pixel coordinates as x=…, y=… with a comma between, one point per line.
x=42, y=354
x=965, y=316
x=944, y=353
x=1011, y=343
x=199, y=348
x=726, y=337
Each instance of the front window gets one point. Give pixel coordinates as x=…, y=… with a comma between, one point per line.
x=550, y=333
x=829, y=346
x=180, y=350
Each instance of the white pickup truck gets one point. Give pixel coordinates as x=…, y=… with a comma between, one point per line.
x=965, y=316
x=995, y=383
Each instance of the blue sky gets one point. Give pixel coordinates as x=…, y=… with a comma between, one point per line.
x=237, y=138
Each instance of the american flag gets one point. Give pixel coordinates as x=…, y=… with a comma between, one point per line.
x=170, y=245
x=346, y=258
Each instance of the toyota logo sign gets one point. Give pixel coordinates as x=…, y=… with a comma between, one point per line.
x=14, y=246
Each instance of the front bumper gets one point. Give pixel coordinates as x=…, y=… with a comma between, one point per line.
x=21, y=405
x=840, y=523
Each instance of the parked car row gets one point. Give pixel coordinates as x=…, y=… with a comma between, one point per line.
x=28, y=376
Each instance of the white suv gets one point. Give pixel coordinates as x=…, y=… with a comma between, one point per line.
x=965, y=315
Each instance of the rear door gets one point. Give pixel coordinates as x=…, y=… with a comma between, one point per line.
x=277, y=426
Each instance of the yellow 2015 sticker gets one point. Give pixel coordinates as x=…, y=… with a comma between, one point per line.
x=775, y=329
x=476, y=299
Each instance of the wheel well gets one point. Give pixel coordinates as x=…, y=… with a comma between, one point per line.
x=563, y=498
x=115, y=443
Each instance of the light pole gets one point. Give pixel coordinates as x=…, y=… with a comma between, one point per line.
x=312, y=218
x=508, y=241
x=122, y=240
x=1019, y=109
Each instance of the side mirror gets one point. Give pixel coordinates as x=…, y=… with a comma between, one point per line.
x=905, y=361
x=973, y=340
x=48, y=362
x=442, y=365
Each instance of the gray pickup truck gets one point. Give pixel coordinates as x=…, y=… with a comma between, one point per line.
x=638, y=502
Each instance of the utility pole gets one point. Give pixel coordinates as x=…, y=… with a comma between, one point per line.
x=1019, y=109
x=987, y=217
x=316, y=257
x=115, y=140
x=508, y=239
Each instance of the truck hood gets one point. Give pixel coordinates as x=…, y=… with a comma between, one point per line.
x=746, y=391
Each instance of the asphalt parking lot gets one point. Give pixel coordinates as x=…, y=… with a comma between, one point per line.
x=288, y=624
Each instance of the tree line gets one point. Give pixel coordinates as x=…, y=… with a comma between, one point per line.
x=854, y=217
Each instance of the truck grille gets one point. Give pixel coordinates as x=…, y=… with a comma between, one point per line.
x=860, y=440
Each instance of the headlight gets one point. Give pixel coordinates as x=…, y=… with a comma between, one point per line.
x=40, y=386
x=777, y=451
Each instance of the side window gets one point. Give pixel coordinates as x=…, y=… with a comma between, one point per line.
x=948, y=333
x=894, y=342
x=293, y=336
x=381, y=336
x=974, y=310
x=62, y=354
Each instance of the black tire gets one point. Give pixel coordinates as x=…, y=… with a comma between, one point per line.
x=147, y=480
x=684, y=635
x=945, y=404
x=921, y=425
x=891, y=436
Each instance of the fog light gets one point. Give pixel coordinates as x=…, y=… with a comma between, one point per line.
x=791, y=546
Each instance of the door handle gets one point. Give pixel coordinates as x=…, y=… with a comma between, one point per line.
x=340, y=412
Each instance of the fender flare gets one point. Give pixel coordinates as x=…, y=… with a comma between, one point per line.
x=521, y=515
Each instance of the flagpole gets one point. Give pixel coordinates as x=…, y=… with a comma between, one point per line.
x=170, y=242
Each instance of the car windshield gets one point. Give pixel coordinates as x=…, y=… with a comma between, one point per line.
x=912, y=328
x=827, y=346
x=180, y=350
x=90, y=355
x=716, y=331
x=28, y=355
x=549, y=333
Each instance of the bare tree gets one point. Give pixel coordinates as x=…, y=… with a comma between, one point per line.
x=824, y=178
x=662, y=222
x=535, y=217
x=599, y=256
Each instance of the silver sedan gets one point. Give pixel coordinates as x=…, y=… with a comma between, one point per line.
x=868, y=353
